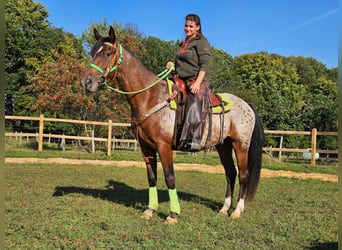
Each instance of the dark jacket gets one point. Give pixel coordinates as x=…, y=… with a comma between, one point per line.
x=191, y=57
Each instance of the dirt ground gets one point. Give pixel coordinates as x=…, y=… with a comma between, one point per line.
x=265, y=173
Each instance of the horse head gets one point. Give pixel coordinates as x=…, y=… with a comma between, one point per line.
x=106, y=56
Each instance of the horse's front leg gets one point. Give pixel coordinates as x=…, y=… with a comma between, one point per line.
x=151, y=167
x=166, y=159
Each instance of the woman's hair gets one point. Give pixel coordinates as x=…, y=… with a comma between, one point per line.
x=195, y=18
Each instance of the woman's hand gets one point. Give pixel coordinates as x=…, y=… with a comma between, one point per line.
x=169, y=65
x=195, y=87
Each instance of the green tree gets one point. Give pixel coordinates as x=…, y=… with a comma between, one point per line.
x=221, y=71
x=308, y=69
x=321, y=111
x=28, y=38
x=320, y=98
x=274, y=82
x=128, y=35
x=332, y=74
x=156, y=52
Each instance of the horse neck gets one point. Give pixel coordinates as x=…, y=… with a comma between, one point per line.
x=135, y=76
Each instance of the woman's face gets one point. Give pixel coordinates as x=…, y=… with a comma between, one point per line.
x=191, y=29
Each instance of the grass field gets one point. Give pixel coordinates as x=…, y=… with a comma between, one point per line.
x=99, y=207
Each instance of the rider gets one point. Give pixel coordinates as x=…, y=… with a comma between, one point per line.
x=191, y=65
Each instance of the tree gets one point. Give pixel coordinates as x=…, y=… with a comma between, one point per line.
x=60, y=95
x=28, y=38
x=308, y=69
x=221, y=71
x=155, y=53
x=321, y=111
x=127, y=34
x=274, y=82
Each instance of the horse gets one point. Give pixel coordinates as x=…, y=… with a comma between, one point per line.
x=239, y=130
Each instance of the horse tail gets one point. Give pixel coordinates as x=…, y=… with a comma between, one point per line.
x=255, y=157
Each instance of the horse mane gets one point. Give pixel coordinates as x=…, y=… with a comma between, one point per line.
x=103, y=40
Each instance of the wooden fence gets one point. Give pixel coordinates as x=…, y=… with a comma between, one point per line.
x=313, y=133
x=41, y=135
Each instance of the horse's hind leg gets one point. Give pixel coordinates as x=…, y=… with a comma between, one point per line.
x=225, y=152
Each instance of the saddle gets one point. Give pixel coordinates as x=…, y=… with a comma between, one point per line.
x=218, y=102
x=179, y=86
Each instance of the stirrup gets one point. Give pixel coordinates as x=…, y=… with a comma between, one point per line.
x=193, y=146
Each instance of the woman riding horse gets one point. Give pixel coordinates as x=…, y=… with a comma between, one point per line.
x=191, y=65
x=153, y=120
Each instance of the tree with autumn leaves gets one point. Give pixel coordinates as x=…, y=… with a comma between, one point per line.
x=59, y=92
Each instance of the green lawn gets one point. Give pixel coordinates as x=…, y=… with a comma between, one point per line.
x=99, y=207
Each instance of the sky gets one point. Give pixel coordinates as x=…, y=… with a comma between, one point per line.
x=306, y=28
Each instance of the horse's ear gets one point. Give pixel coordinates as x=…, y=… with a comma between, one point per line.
x=97, y=34
x=112, y=35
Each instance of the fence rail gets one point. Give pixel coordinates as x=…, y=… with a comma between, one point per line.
x=41, y=135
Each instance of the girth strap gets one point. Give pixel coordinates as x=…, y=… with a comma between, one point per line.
x=154, y=109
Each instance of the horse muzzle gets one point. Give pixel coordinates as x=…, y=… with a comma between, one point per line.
x=90, y=84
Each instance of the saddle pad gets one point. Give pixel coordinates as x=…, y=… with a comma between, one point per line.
x=227, y=104
x=173, y=103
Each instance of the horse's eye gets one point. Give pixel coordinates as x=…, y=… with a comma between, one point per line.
x=108, y=54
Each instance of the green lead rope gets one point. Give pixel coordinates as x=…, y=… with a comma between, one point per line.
x=161, y=76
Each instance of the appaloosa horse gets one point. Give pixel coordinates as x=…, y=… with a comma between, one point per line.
x=153, y=122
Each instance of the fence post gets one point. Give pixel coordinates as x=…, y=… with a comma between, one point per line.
x=313, y=146
x=280, y=146
x=21, y=137
x=63, y=142
x=41, y=132
x=92, y=140
x=109, y=140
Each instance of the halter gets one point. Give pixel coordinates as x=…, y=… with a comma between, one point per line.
x=111, y=66
x=115, y=67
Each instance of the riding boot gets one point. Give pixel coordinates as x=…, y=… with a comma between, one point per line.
x=193, y=125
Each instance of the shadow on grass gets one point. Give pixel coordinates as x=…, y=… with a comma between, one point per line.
x=323, y=246
x=128, y=196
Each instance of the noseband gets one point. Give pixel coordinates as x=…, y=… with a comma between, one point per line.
x=113, y=64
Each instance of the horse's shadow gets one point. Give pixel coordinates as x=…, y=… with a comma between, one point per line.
x=128, y=196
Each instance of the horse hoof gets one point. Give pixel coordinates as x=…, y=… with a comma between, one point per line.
x=147, y=214
x=223, y=212
x=170, y=221
x=235, y=215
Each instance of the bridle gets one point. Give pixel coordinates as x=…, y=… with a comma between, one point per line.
x=113, y=64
